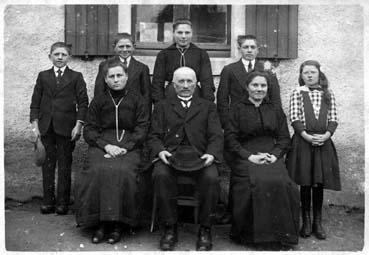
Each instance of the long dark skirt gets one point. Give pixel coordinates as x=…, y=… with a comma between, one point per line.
x=265, y=203
x=107, y=189
x=310, y=165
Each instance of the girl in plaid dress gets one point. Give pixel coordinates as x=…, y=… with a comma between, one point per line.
x=312, y=161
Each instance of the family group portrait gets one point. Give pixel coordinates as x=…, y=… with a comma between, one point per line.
x=184, y=126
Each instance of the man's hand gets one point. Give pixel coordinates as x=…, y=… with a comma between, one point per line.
x=35, y=131
x=163, y=155
x=209, y=159
x=114, y=150
x=76, y=131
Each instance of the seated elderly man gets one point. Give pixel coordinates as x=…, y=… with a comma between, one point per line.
x=185, y=138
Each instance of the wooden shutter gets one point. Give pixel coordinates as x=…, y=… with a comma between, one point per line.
x=91, y=29
x=275, y=27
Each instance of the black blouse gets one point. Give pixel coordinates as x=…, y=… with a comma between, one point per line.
x=133, y=117
x=248, y=122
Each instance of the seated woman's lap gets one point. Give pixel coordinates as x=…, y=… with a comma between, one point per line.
x=126, y=164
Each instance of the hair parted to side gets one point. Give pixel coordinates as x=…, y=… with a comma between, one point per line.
x=123, y=36
x=323, y=81
x=181, y=21
x=110, y=63
x=253, y=74
x=55, y=45
x=242, y=38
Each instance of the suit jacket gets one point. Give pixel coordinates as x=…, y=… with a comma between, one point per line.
x=138, y=80
x=61, y=106
x=170, y=123
x=232, y=87
x=168, y=60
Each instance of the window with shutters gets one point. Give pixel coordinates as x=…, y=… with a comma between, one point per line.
x=275, y=27
x=91, y=29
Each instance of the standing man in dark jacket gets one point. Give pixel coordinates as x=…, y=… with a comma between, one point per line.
x=138, y=73
x=180, y=122
x=232, y=78
x=58, y=109
x=182, y=53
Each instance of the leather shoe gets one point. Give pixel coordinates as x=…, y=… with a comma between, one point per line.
x=47, y=209
x=62, y=209
x=115, y=235
x=99, y=234
x=204, y=242
x=169, y=238
x=318, y=230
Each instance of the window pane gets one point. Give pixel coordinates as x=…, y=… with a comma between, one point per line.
x=154, y=23
x=209, y=23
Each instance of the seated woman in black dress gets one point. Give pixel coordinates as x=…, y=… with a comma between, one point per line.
x=265, y=200
x=117, y=124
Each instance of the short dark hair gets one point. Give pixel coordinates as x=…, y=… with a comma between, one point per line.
x=55, y=45
x=123, y=36
x=180, y=22
x=110, y=63
x=242, y=38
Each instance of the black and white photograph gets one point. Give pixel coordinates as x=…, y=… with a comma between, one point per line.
x=184, y=126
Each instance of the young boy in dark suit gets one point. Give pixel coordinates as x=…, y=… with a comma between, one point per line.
x=58, y=109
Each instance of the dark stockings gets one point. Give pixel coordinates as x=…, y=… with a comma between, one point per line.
x=308, y=228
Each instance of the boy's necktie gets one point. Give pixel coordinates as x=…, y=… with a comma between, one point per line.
x=249, y=67
x=58, y=78
x=125, y=64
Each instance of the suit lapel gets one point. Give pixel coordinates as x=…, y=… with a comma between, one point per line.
x=132, y=69
x=178, y=108
x=240, y=73
x=52, y=81
x=194, y=108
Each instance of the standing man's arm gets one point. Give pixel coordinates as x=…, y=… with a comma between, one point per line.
x=275, y=95
x=146, y=86
x=223, y=97
x=158, y=80
x=82, y=103
x=35, y=106
x=99, y=82
x=206, y=77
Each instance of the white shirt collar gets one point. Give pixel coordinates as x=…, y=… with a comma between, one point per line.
x=185, y=99
x=246, y=63
x=128, y=60
x=61, y=69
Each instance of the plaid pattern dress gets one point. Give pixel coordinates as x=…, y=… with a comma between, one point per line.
x=311, y=165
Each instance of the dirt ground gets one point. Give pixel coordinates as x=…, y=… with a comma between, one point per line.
x=28, y=230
